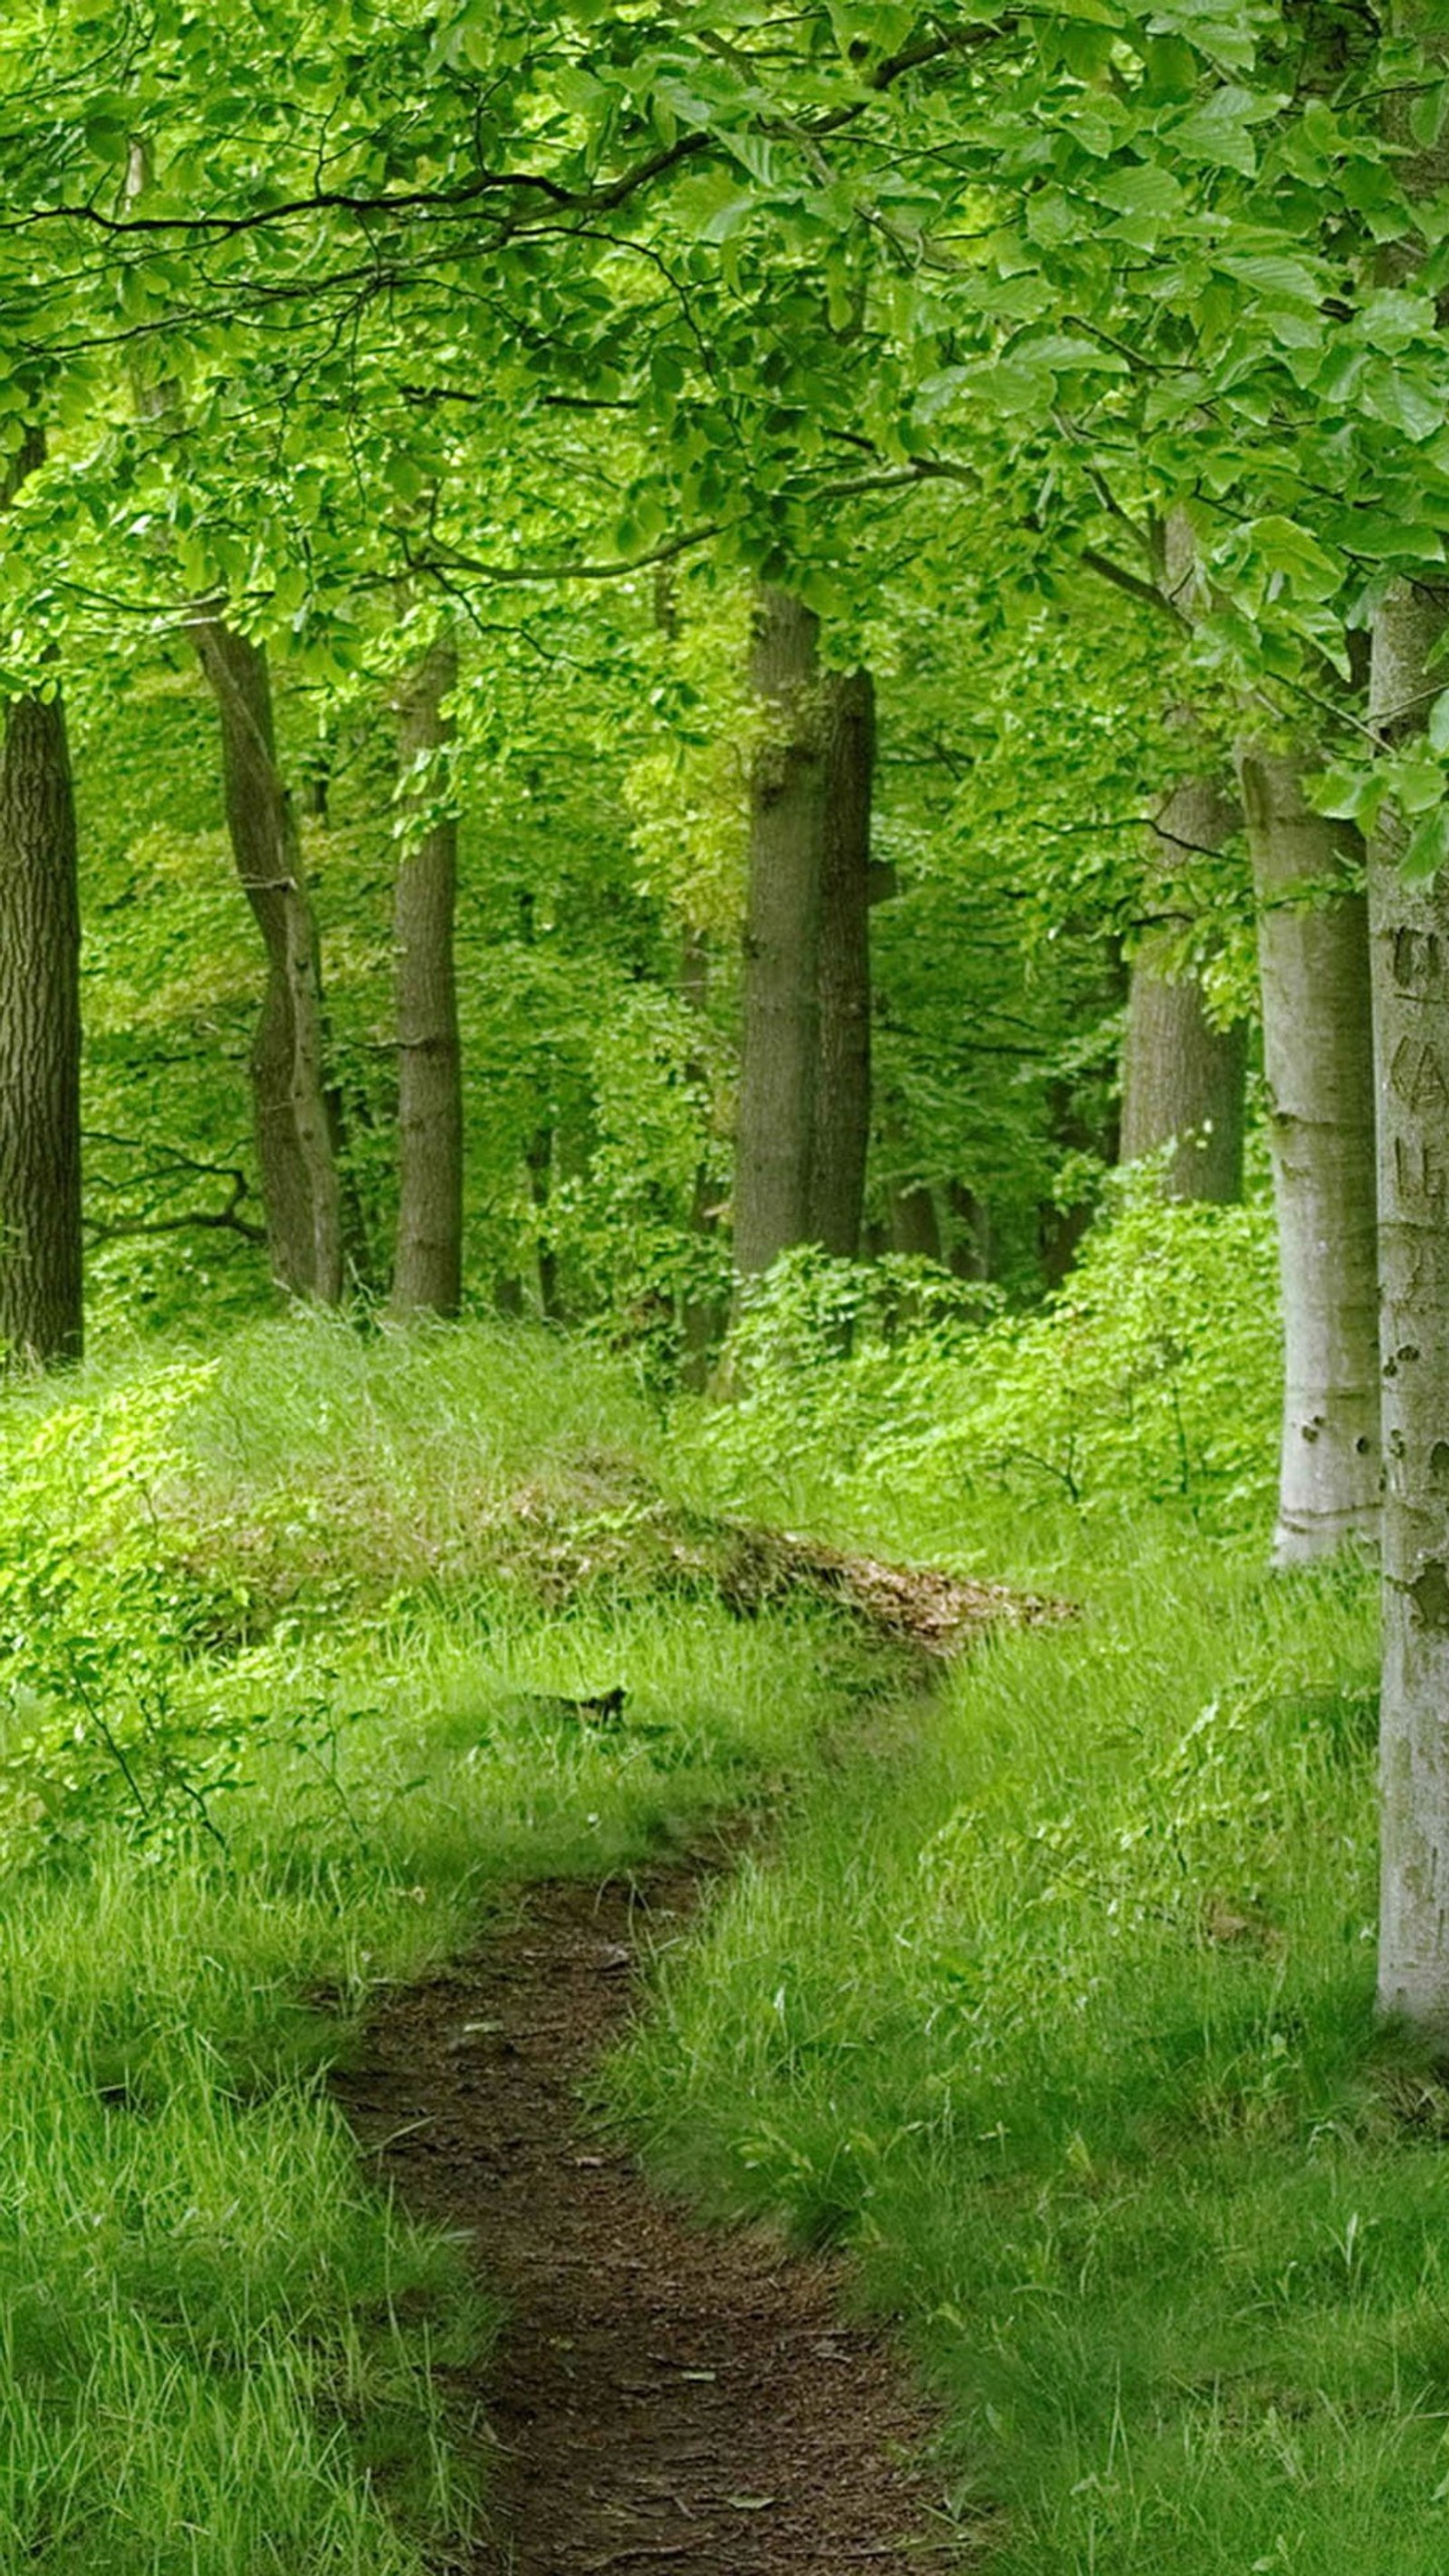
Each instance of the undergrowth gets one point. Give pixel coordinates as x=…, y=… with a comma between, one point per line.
x=1052, y=1998
x=290, y=1635
x=1061, y=2019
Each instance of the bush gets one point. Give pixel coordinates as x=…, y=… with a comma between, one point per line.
x=1152, y=1377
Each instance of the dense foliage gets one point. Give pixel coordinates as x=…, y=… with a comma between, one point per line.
x=667, y=675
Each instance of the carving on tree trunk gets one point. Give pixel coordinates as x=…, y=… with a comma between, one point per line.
x=428, y=1274
x=300, y=1190
x=1313, y=951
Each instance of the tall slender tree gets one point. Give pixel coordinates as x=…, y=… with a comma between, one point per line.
x=1409, y=936
x=41, y=1309
x=775, y=1146
x=1183, y=1077
x=841, y=1126
x=300, y=1191
x=428, y=1273
x=1313, y=952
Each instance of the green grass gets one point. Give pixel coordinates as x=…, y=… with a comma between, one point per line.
x=1061, y=2018
x=315, y=1581
x=1049, y=1994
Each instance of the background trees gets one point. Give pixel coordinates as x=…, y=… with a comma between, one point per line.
x=917, y=330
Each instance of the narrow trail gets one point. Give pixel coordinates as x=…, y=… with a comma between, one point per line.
x=667, y=2400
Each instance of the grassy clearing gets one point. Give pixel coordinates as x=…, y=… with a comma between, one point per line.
x=283, y=1631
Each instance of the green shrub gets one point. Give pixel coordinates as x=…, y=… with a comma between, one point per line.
x=1152, y=1377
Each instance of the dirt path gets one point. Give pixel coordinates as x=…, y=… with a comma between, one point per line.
x=669, y=2401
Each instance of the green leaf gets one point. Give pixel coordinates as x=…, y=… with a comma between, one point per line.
x=1418, y=785
x=1427, y=114
x=108, y=137
x=1217, y=132
x=1289, y=549
x=1393, y=396
x=1273, y=275
x=1352, y=795
x=1086, y=50
x=1140, y=188
x=1428, y=849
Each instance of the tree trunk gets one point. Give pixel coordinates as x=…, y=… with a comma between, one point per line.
x=842, y=1079
x=41, y=1316
x=428, y=1273
x=294, y=1143
x=1409, y=940
x=970, y=1251
x=1182, y=1079
x=775, y=1145
x=914, y=1224
x=702, y=1318
x=1313, y=954
x=538, y=1154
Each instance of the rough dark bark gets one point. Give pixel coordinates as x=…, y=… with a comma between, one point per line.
x=1409, y=941
x=781, y=998
x=1182, y=1078
x=841, y=1126
x=428, y=1270
x=300, y=1190
x=1313, y=950
x=41, y=1313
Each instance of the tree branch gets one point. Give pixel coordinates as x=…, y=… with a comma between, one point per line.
x=1134, y=585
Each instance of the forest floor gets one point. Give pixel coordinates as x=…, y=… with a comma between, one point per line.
x=663, y=2395
x=1053, y=2198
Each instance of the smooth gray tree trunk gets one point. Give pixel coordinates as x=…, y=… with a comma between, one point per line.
x=300, y=1191
x=1182, y=1078
x=41, y=1311
x=1313, y=954
x=1409, y=939
x=775, y=1136
x=428, y=1270
x=841, y=1137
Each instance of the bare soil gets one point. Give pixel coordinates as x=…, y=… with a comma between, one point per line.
x=666, y=2400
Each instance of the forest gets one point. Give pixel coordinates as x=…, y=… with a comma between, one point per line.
x=724, y=1287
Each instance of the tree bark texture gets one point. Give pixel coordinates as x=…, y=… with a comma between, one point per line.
x=1313, y=955
x=841, y=1136
x=41, y=1316
x=775, y=1142
x=1182, y=1079
x=1409, y=940
x=298, y=1166
x=428, y=1271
